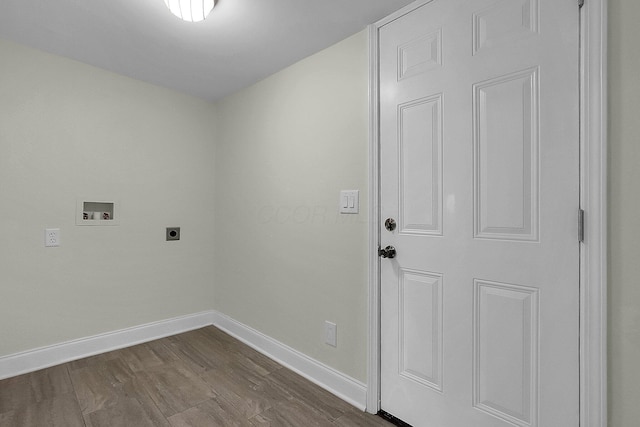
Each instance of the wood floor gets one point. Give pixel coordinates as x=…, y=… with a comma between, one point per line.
x=199, y=378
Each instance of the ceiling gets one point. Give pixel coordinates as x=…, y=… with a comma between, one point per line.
x=240, y=43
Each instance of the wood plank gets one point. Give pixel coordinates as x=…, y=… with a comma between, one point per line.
x=50, y=383
x=100, y=386
x=306, y=391
x=291, y=413
x=61, y=411
x=127, y=412
x=213, y=412
x=247, y=400
x=174, y=387
x=149, y=355
x=16, y=392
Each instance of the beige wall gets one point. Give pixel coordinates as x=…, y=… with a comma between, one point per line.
x=69, y=130
x=624, y=213
x=286, y=261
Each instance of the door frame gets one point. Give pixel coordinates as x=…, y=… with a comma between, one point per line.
x=593, y=200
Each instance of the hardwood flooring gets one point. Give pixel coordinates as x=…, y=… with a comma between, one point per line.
x=199, y=378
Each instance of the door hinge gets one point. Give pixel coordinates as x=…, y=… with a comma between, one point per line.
x=580, y=3
x=580, y=225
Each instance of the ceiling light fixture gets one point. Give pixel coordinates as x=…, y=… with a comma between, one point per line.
x=190, y=10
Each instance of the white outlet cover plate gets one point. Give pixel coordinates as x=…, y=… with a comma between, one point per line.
x=331, y=333
x=51, y=237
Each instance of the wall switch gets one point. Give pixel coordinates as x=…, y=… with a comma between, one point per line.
x=51, y=237
x=331, y=333
x=350, y=201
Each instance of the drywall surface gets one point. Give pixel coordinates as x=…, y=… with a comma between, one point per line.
x=624, y=206
x=68, y=130
x=286, y=260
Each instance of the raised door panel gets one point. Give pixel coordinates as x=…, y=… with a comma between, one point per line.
x=506, y=351
x=506, y=157
x=504, y=20
x=420, y=55
x=420, y=315
x=420, y=168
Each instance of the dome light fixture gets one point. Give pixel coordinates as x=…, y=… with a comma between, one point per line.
x=190, y=10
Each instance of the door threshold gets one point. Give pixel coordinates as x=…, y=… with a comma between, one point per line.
x=393, y=420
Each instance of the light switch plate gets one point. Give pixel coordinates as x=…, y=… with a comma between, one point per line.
x=350, y=201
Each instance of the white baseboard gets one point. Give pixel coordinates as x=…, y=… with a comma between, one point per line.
x=45, y=357
x=337, y=383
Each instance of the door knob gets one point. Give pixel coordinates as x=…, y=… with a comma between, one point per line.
x=388, y=252
x=390, y=224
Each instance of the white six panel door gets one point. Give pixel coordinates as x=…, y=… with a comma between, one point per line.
x=479, y=166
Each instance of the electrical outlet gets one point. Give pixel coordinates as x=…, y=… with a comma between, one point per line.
x=331, y=333
x=173, y=233
x=51, y=237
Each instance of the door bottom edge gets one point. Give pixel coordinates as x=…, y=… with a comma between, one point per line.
x=392, y=419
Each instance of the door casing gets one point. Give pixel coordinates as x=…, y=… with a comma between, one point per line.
x=593, y=200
